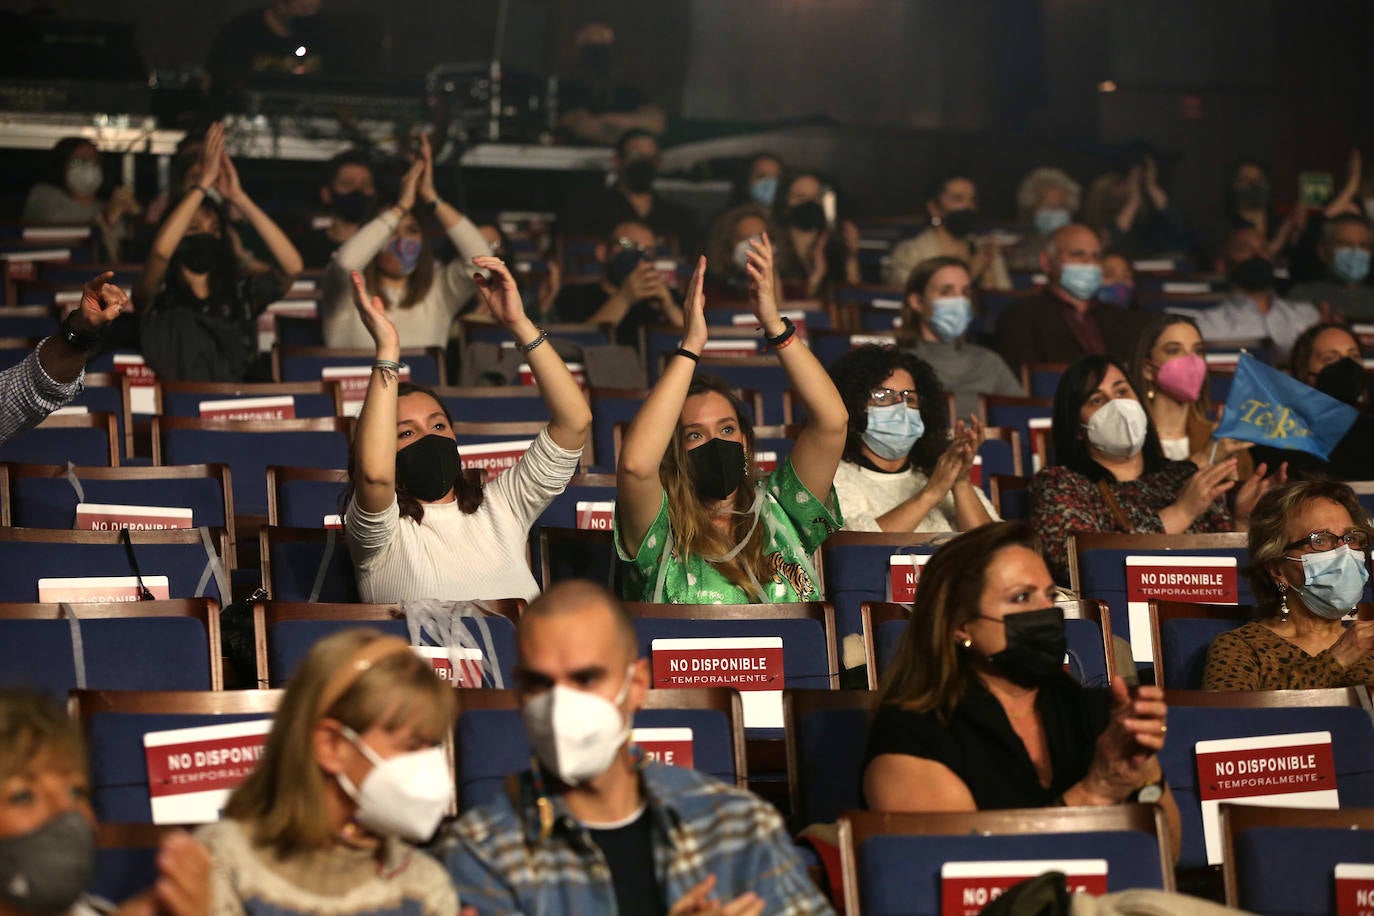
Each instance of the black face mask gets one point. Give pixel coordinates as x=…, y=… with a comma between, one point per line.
x=48, y=869
x=619, y=267
x=199, y=252
x=1035, y=646
x=428, y=468
x=808, y=216
x=595, y=60
x=639, y=176
x=353, y=207
x=717, y=468
x=1253, y=275
x=1343, y=380
x=961, y=223
x=1252, y=197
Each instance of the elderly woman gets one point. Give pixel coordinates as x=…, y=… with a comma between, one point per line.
x=1111, y=475
x=976, y=712
x=1309, y=562
x=902, y=470
x=1046, y=199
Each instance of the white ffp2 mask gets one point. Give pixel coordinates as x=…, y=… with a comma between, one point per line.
x=1118, y=428
x=404, y=796
x=576, y=734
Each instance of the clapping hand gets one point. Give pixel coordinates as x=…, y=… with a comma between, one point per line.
x=374, y=317
x=694, y=331
x=761, y=294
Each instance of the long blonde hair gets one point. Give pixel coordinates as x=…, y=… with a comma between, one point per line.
x=283, y=799
x=690, y=522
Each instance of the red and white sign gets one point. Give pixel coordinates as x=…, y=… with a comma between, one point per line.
x=293, y=308
x=274, y=408
x=877, y=340
x=48, y=233
x=1354, y=889
x=1039, y=428
x=904, y=571
x=750, y=664
x=1364, y=333
x=966, y=888
x=141, y=380
x=975, y=473
x=108, y=517
x=71, y=411
x=887, y=305
x=494, y=456
x=1223, y=358
x=595, y=516
x=1276, y=771
x=20, y=265
x=797, y=317
x=578, y=371
x=460, y=667
x=101, y=588
x=1197, y=580
x=766, y=462
x=728, y=347
x=672, y=746
x=353, y=382
x=333, y=521
x=191, y=771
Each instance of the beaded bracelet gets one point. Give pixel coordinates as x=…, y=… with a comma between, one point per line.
x=525, y=348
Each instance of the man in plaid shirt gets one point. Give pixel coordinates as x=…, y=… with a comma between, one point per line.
x=594, y=827
x=51, y=375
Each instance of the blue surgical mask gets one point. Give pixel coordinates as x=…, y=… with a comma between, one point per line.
x=950, y=317
x=763, y=190
x=893, y=430
x=1050, y=219
x=1081, y=280
x=1116, y=294
x=1333, y=581
x=1350, y=264
x=406, y=252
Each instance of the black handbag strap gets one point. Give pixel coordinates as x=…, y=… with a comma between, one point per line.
x=143, y=593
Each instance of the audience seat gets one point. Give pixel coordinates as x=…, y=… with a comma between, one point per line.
x=309, y=399
x=1010, y=495
x=42, y=496
x=1181, y=635
x=307, y=564
x=307, y=364
x=854, y=566
x=826, y=735
x=1017, y=414
x=489, y=404
x=125, y=859
x=115, y=721
x=89, y=440
x=1041, y=380
x=572, y=553
x=1309, y=842
x=302, y=497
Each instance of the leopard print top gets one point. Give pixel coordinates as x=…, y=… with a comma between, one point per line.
x=1254, y=657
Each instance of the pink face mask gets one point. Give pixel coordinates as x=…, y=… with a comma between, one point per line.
x=1181, y=378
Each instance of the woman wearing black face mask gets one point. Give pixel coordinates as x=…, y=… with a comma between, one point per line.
x=1327, y=357
x=978, y=678
x=198, y=303
x=47, y=826
x=692, y=516
x=952, y=208
x=813, y=257
x=415, y=527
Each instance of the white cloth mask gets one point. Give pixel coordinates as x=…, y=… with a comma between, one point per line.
x=576, y=733
x=404, y=796
x=1118, y=428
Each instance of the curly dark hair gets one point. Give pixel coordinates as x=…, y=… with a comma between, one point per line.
x=1300, y=356
x=862, y=369
x=466, y=488
x=1076, y=385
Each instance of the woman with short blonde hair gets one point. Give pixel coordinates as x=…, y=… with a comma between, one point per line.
x=353, y=773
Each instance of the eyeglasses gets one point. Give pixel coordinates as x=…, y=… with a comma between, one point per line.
x=885, y=397
x=1320, y=541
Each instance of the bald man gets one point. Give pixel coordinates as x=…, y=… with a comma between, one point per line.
x=596, y=827
x=1065, y=321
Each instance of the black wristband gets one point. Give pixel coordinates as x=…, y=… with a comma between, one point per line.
x=76, y=339
x=683, y=351
x=785, y=336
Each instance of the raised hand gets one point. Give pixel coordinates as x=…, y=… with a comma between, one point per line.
x=1127, y=746
x=694, y=328
x=1258, y=484
x=1205, y=486
x=374, y=317
x=410, y=185
x=499, y=292
x=426, y=189
x=101, y=303
x=761, y=294
x=228, y=183
x=212, y=155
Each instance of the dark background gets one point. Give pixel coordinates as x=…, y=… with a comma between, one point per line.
x=994, y=86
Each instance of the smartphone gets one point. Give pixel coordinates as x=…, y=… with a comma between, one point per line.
x=1315, y=189
x=828, y=205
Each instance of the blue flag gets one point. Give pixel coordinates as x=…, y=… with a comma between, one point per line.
x=1269, y=408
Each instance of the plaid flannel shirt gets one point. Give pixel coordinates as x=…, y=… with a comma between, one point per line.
x=700, y=826
x=28, y=394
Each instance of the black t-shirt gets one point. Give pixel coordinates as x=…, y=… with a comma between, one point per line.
x=604, y=211
x=577, y=302
x=979, y=745
x=315, y=247
x=599, y=96
x=629, y=852
x=246, y=47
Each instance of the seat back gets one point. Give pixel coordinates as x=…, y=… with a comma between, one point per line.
x=308, y=399
x=1017, y=414
x=892, y=862
x=610, y=407
x=88, y=440
x=1181, y=635
x=114, y=723
x=1098, y=568
x=571, y=553
x=1000, y=453
x=249, y=446
x=491, y=744
x=519, y=403
x=1310, y=842
x=28, y=555
x=1352, y=738
x=763, y=374
x=286, y=631
x=104, y=394
x=307, y=364
x=303, y=497
x=43, y=496
x=1041, y=380
x=124, y=645
x=125, y=859
x=826, y=736
x=1010, y=495
x=855, y=566
x=307, y=564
